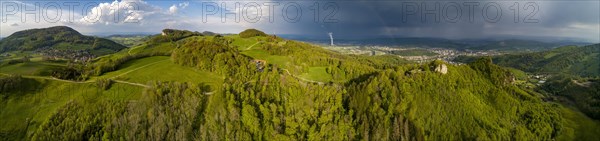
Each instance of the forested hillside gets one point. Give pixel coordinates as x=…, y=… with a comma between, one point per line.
x=262, y=87
x=581, y=93
x=60, y=38
x=571, y=75
x=573, y=60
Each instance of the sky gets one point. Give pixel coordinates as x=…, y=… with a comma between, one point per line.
x=577, y=20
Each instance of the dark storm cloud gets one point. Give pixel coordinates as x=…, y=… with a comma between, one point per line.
x=461, y=19
x=562, y=13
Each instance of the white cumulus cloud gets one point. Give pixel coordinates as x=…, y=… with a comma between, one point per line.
x=184, y=5
x=173, y=9
x=125, y=11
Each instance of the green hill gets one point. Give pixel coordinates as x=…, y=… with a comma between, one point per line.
x=581, y=93
x=251, y=33
x=60, y=38
x=171, y=35
x=269, y=88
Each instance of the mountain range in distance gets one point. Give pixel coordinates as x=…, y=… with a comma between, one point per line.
x=463, y=44
x=500, y=43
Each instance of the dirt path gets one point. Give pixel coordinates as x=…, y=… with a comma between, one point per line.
x=98, y=58
x=56, y=79
x=130, y=49
x=209, y=93
x=303, y=79
x=92, y=81
x=131, y=83
x=250, y=47
x=583, y=84
x=141, y=67
x=85, y=82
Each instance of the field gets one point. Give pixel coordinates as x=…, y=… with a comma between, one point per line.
x=128, y=40
x=252, y=48
x=317, y=74
x=13, y=55
x=37, y=104
x=34, y=105
x=243, y=43
x=28, y=68
x=35, y=65
x=281, y=61
x=585, y=128
x=161, y=47
x=160, y=68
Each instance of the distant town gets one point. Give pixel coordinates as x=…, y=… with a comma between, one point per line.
x=417, y=54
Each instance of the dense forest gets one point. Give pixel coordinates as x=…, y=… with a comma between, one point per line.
x=574, y=74
x=583, y=93
x=213, y=57
x=384, y=105
x=366, y=97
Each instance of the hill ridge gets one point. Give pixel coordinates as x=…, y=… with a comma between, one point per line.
x=59, y=38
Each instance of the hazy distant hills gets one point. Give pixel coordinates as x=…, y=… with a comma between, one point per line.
x=513, y=44
x=470, y=44
x=59, y=37
x=574, y=60
x=129, y=40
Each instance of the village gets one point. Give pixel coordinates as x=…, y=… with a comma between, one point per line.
x=424, y=54
x=72, y=55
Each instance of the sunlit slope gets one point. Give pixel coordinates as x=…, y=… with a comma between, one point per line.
x=216, y=88
x=160, y=68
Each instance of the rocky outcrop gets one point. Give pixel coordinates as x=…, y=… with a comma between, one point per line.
x=441, y=68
